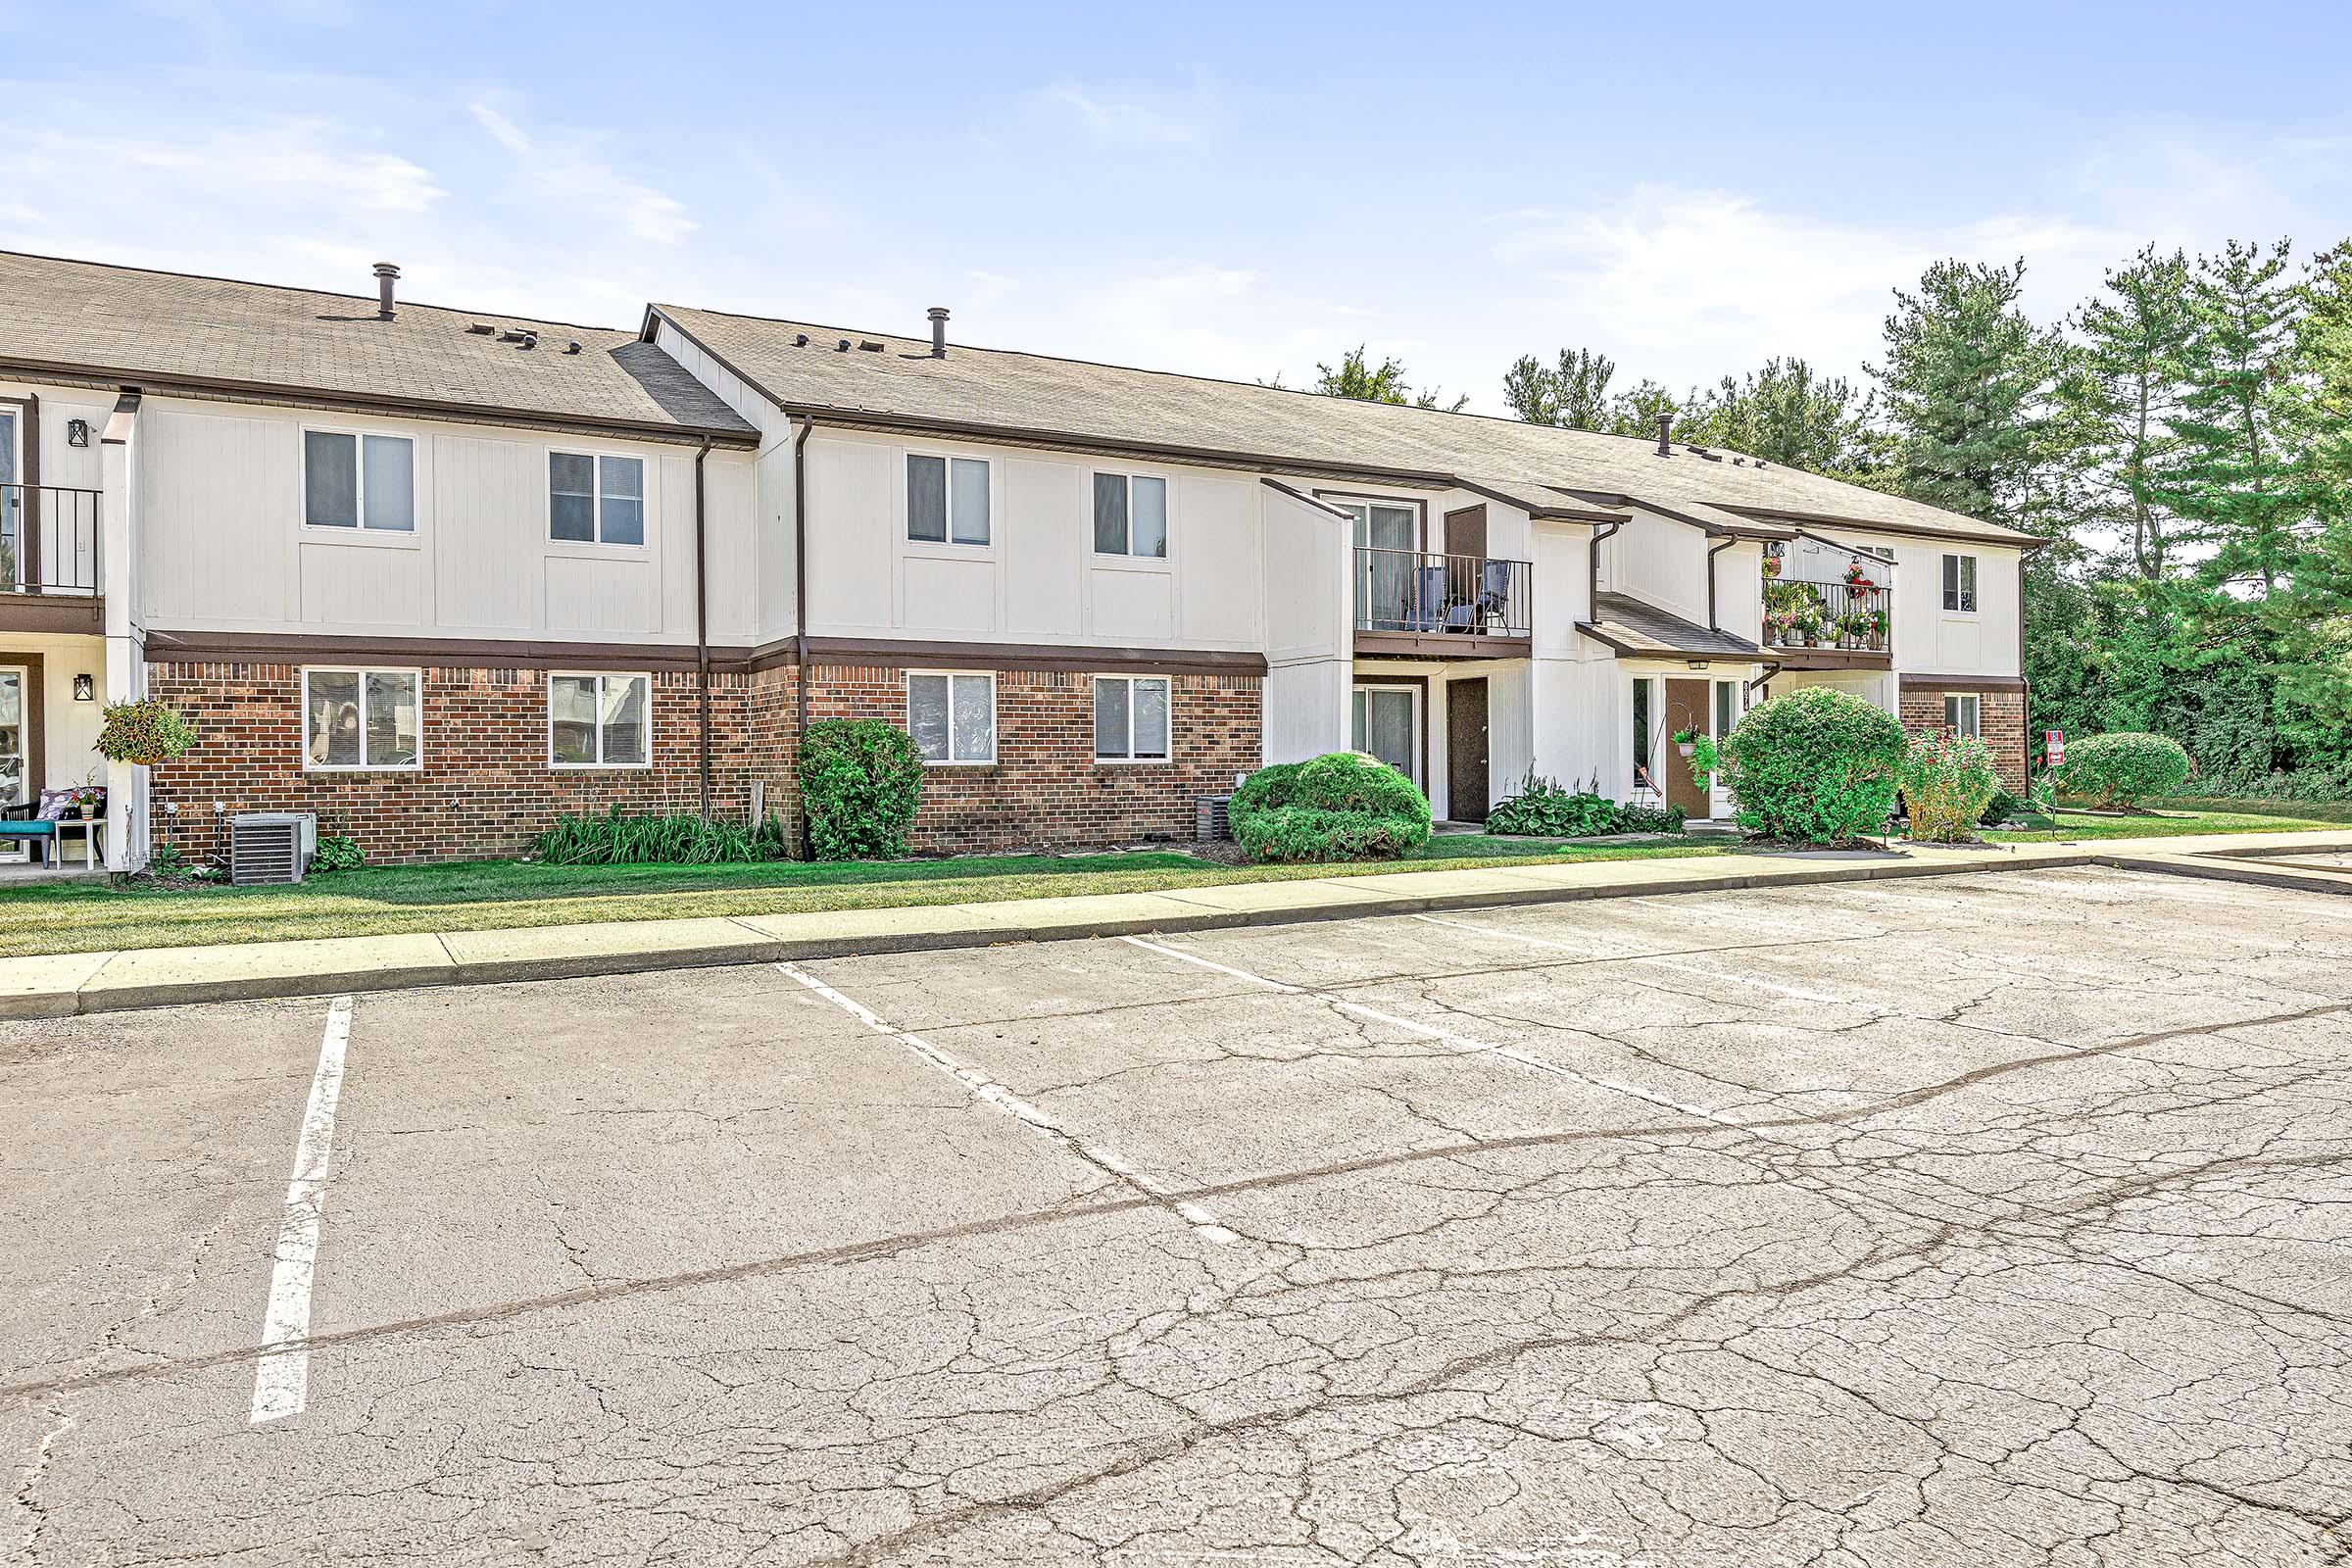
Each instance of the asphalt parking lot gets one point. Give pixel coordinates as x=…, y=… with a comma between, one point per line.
x=1978, y=1220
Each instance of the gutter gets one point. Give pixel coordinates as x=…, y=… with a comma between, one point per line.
x=800, y=611
x=1726, y=541
x=1305, y=499
x=702, y=634
x=1600, y=532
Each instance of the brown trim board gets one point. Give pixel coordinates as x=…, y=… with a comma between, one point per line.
x=1963, y=683
x=901, y=653
x=63, y=615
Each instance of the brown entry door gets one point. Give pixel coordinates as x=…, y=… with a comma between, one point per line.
x=1686, y=709
x=1466, y=750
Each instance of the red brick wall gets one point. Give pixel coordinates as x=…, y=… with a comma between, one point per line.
x=1045, y=788
x=486, y=787
x=2000, y=724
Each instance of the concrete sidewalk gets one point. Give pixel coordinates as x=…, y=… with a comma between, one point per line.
x=63, y=984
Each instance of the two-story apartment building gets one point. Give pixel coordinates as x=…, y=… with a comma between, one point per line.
x=439, y=575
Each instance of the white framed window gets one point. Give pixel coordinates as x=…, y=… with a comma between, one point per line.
x=1961, y=711
x=595, y=499
x=1131, y=719
x=353, y=480
x=1131, y=516
x=356, y=720
x=1386, y=723
x=947, y=499
x=953, y=715
x=1960, y=583
x=1727, y=707
x=600, y=720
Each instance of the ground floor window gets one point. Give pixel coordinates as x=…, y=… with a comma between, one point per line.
x=1131, y=719
x=599, y=720
x=1727, y=707
x=952, y=718
x=361, y=718
x=1386, y=723
x=1643, y=778
x=1960, y=712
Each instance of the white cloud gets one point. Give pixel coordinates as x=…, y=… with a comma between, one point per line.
x=567, y=169
x=1128, y=119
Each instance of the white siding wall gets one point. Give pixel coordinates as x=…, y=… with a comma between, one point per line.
x=1659, y=561
x=224, y=546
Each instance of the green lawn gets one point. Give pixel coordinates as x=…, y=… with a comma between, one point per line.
x=485, y=894
x=2175, y=817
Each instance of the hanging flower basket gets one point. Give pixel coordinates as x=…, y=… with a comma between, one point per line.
x=143, y=733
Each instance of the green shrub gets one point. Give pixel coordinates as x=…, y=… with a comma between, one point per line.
x=147, y=732
x=2124, y=768
x=1948, y=780
x=2002, y=807
x=643, y=840
x=1338, y=807
x=861, y=781
x=336, y=852
x=1545, y=808
x=1814, y=766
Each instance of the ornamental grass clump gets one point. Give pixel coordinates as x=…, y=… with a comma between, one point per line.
x=1814, y=766
x=1948, y=780
x=1339, y=807
x=2124, y=770
x=862, y=782
x=615, y=839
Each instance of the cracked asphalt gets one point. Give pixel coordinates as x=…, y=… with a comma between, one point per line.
x=1965, y=1221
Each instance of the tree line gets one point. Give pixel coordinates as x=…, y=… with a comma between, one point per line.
x=2182, y=439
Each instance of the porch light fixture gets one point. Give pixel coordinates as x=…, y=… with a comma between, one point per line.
x=77, y=432
x=1695, y=663
x=86, y=689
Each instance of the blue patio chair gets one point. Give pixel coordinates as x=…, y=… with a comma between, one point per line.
x=1428, y=610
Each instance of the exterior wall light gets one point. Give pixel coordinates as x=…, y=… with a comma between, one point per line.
x=85, y=688
x=77, y=432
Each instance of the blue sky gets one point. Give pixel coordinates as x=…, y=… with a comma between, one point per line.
x=1238, y=191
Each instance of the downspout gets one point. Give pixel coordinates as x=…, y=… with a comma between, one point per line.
x=2024, y=687
x=1600, y=532
x=800, y=611
x=1729, y=540
x=702, y=632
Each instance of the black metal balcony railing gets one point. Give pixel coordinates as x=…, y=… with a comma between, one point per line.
x=48, y=539
x=1824, y=614
x=1418, y=591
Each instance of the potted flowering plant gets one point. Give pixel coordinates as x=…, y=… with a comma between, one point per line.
x=1856, y=578
x=1685, y=741
x=1772, y=567
x=144, y=732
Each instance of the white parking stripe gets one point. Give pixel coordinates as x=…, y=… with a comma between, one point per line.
x=1660, y=960
x=991, y=1093
x=281, y=1379
x=1469, y=1044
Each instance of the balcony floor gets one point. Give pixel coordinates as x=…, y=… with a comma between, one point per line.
x=1440, y=645
x=1801, y=658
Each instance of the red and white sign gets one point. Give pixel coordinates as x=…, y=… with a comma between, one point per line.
x=2053, y=742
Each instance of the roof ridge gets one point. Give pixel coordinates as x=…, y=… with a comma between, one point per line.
x=368, y=300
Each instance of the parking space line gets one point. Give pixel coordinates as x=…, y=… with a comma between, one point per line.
x=991, y=1093
x=1469, y=1044
x=1662, y=960
x=281, y=1378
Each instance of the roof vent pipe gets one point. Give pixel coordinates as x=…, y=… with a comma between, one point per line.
x=939, y=331
x=1665, y=439
x=385, y=275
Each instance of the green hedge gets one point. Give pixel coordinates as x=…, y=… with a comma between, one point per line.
x=1339, y=807
x=1814, y=766
x=2124, y=768
x=861, y=781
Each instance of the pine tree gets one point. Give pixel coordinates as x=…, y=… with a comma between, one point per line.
x=2234, y=481
x=1965, y=382
x=2121, y=389
x=1574, y=395
x=1784, y=414
x=1354, y=378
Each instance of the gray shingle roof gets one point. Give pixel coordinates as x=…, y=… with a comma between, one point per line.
x=1634, y=627
x=164, y=330
x=995, y=390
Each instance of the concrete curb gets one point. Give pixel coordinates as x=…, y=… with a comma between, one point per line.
x=62, y=985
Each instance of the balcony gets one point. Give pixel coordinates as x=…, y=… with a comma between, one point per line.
x=1826, y=625
x=1415, y=603
x=49, y=559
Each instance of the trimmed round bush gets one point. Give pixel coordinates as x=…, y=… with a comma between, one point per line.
x=1339, y=807
x=1815, y=766
x=1948, y=781
x=861, y=781
x=2124, y=768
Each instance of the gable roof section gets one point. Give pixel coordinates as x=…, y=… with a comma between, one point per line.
x=167, y=331
x=1637, y=629
x=997, y=394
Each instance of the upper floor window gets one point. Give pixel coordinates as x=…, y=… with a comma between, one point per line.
x=947, y=499
x=1131, y=719
x=359, y=482
x=1960, y=583
x=1961, y=713
x=595, y=500
x=360, y=718
x=599, y=720
x=952, y=718
x=1130, y=515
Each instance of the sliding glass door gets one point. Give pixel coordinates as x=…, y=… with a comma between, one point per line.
x=1387, y=724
